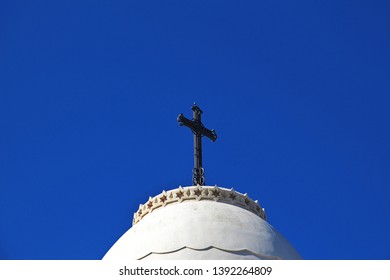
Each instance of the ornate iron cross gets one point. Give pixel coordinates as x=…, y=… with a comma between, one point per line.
x=198, y=130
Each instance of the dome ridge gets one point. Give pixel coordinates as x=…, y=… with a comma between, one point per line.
x=197, y=193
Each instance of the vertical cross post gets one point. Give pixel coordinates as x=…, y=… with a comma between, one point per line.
x=198, y=130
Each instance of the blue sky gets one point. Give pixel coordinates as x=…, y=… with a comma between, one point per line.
x=298, y=93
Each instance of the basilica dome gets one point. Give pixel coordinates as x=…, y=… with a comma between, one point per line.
x=200, y=223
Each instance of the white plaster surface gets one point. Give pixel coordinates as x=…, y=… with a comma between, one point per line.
x=201, y=230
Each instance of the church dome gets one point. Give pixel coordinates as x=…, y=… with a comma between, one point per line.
x=201, y=222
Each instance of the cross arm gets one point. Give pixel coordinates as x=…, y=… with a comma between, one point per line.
x=209, y=133
x=197, y=128
x=184, y=121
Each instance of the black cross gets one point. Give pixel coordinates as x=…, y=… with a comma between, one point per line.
x=199, y=130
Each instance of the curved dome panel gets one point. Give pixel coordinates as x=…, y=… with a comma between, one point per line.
x=201, y=229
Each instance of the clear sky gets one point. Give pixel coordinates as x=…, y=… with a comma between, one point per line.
x=298, y=92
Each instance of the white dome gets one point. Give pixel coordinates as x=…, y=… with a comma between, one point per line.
x=201, y=222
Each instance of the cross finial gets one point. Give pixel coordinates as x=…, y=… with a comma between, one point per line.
x=198, y=130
